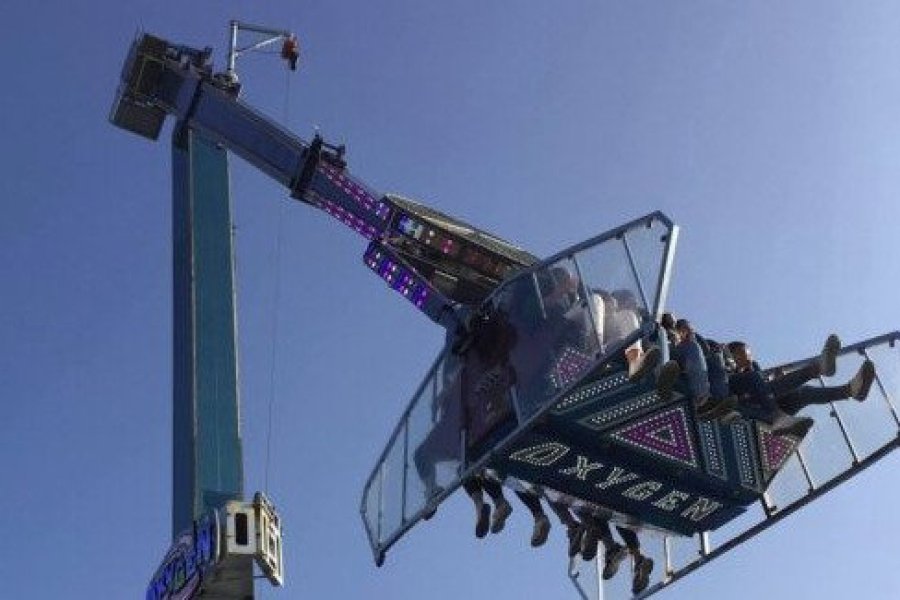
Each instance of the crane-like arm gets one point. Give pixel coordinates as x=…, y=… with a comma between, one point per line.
x=437, y=262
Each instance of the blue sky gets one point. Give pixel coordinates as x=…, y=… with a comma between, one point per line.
x=769, y=131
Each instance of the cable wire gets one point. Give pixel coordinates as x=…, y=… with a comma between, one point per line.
x=276, y=301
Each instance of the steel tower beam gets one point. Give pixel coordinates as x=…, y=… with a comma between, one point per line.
x=207, y=450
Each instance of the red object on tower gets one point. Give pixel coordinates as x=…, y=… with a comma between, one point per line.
x=290, y=51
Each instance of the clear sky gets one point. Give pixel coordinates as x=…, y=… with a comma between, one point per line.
x=769, y=131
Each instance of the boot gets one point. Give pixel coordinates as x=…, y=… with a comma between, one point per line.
x=502, y=510
x=541, y=531
x=643, y=566
x=483, y=521
x=612, y=558
x=828, y=356
x=861, y=383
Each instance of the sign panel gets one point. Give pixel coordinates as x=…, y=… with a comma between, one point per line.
x=190, y=557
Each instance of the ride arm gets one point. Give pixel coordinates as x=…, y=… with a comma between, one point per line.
x=161, y=79
x=453, y=263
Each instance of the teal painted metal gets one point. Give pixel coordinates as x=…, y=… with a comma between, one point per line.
x=207, y=447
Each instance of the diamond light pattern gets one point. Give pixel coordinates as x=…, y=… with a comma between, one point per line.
x=569, y=367
x=664, y=434
x=774, y=449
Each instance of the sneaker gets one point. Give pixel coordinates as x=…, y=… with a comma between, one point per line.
x=666, y=379
x=589, y=542
x=795, y=426
x=502, y=510
x=862, y=381
x=612, y=558
x=828, y=357
x=574, y=533
x=541, y=531
x=643, y=566
x=646, y=363
x=484, y=520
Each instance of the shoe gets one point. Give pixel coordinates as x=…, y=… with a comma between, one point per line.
x=710, y=409
x=666, y=379
x=795, y=426
x=541, y=531
x=828, y=357
x=612, y=558
x=502, y=510
x=589, y=542
x=646, y=363
x=484, y=520
x=862, y=381
x=574, y=533
x=643, y=566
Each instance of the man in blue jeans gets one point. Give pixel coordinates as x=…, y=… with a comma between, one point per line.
x=777, y=401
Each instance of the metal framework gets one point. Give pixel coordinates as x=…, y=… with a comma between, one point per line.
x=589, y=587
x=271, y=36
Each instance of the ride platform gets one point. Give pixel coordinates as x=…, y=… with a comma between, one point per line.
x=536, y=390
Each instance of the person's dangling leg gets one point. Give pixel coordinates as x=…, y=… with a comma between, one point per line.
x=613, y=552
x=541, y=522
x=574, y=529
x=857, y=388
x=473, y=488
x=642, y=565
x=502, y=507
x=794, y=379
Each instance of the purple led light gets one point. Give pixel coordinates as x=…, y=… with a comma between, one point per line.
x=569, y=366
x=382, y=211
x=356, y=191
x=397, y=276
x=775, y=449
x=347, y=218
x=663, y=434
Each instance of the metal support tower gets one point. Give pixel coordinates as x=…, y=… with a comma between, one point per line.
x=207, y=449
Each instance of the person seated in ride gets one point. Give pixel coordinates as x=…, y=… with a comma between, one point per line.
x=560, y=295
x=621, y=319
x=703, y=367
x=787, y=393
x=667, y=322
x=615, y=316
x=596, y=529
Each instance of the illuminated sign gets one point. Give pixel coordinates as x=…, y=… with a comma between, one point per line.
x=626, y=483
x=181, y=572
